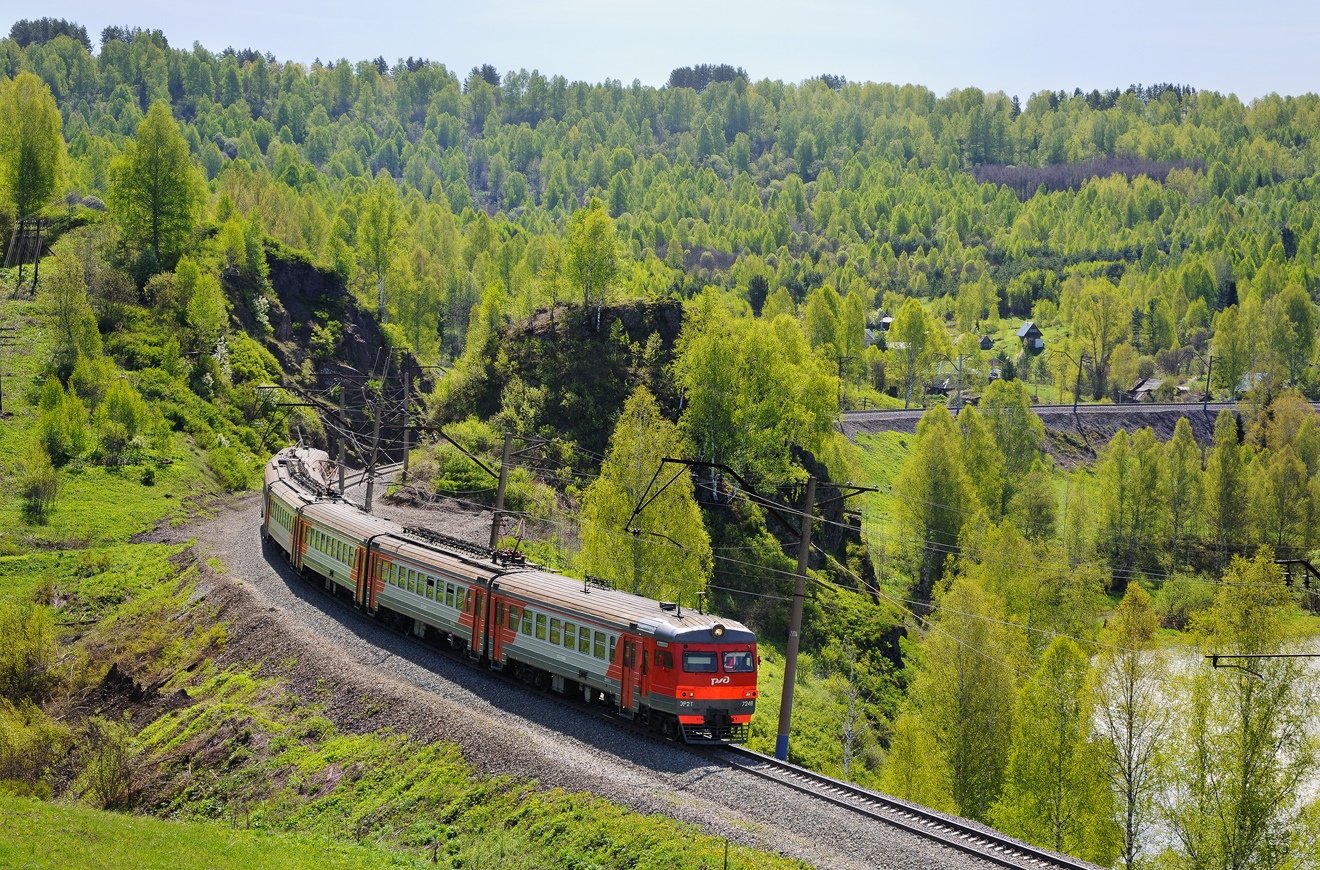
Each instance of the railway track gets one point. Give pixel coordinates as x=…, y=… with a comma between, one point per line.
x=971, y=839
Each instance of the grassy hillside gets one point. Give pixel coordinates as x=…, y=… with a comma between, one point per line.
x=39, y=834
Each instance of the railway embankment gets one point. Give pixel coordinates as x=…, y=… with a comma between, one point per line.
x=1072, y=438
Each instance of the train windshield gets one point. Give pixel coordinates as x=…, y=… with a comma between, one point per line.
x=700, y=662
x=738, y=663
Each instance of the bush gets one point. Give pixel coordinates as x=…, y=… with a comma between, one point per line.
x=112, y=763
x=1181, y=597
x=229, y=467
x=325, y=339
x=249, y=361
x=31, y=745
x=27, y=652
x=38, y=486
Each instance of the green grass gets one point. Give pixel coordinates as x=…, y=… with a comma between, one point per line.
x=246, y=750
x=95, y=504
x=38, y=834
x=88, y=583
x=880, y=457
x=819, y=711
x=99, y=505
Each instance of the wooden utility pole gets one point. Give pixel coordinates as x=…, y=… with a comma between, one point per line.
x=407, y=441
x=375, y=447
x=795, y=622
x=499, y=493
x=6, y=342
x=343, y=436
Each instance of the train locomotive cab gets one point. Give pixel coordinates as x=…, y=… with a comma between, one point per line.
x=711, y=672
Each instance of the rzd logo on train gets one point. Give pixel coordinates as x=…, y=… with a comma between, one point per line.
x=715, y=681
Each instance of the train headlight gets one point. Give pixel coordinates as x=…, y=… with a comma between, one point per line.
x=718, y=630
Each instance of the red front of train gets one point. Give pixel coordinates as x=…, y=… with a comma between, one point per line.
x=708, y=674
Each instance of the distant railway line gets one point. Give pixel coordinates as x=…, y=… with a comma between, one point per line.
x=881, y=415
x=1089, y=417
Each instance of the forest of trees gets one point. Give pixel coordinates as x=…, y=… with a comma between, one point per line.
x=1049, y=680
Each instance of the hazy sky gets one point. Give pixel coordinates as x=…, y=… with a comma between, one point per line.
x=1017, y=46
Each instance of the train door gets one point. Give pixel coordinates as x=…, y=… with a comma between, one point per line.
x=503, y=615
x=477, y=603
x=299, y=540
x=378, y=566
x=359, y=576
x=632, y=655
x=645, y=652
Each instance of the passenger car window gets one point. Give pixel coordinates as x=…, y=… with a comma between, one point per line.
x=700, y=662
x=600, y=645
x=540, y=626
x=570, y=635
x=584, y=641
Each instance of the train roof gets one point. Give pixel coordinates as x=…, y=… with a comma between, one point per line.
x=664, y=621
x=293, y=468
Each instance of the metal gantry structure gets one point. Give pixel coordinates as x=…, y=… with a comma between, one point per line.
x=806, y=517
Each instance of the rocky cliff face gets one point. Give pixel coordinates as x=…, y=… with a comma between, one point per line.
x=323, y=339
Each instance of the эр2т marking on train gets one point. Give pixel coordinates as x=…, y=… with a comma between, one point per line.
x=685, y=674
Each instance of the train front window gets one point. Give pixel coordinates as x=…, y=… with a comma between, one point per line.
x=700, y=662
x=739, y=663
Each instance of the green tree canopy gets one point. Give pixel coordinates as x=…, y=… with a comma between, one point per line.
x=156, y=191
x=378, y=229
x=1243, y=750
x=1053, y=793
x=32, y=152
x=592, y=257
x=963, y=690
x=665, y=551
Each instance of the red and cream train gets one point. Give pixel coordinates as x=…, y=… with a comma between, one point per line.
x=684, y=673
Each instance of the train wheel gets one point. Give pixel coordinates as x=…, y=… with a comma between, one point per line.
x=669, y=727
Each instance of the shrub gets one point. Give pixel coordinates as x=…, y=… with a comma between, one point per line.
x=27, y=652
x=229, y=467
x=112, y=763
x=1181, y=597
x=249, y=361
x=325, y=339
x=31, y=745
x=38, y=486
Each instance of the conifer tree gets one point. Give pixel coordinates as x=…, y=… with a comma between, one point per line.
x=32, y=153
x=935, y=496
x=1181, y=484
x=156, y=191
x=1225, y=485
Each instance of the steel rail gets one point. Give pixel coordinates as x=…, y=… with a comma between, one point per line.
x=949, y=831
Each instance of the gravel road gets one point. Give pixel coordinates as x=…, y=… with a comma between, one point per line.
x=370, y=677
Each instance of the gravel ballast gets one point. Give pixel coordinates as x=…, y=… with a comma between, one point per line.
x=369, y=676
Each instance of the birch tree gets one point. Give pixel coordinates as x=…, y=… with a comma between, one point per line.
x=1130, y=716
